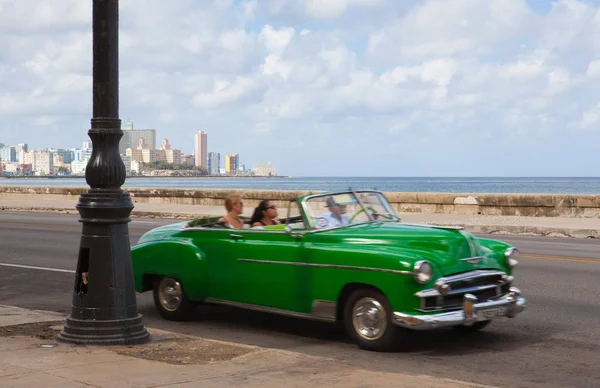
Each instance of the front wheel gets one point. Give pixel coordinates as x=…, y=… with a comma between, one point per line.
x=368, y=320
x=171, y=300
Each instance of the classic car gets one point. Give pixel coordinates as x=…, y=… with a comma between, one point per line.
x=339, y=256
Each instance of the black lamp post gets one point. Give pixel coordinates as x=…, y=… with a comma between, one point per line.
x=104, y=308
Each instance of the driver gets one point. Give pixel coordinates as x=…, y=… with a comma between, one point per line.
x=334, y=217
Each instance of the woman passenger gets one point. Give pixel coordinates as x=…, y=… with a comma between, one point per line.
x=234, y=207
x=264, y=214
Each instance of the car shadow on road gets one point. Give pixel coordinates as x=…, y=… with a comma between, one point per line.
x=275, y=331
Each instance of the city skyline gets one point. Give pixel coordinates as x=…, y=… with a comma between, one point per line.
x=138, y=158
x=127, y=128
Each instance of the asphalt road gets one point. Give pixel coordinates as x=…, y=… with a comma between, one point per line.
x=555, y=343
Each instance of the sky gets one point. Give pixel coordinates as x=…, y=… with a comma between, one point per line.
x=324, y=87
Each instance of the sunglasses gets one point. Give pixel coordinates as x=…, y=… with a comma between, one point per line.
x=271, y=207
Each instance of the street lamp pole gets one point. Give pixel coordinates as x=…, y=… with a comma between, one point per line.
x=104, y=308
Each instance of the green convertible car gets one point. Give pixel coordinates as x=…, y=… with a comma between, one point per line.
x=342, y=256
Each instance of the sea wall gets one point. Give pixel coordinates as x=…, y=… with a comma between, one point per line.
x=532, y=205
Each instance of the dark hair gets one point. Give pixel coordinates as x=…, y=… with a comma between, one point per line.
x=258, y=215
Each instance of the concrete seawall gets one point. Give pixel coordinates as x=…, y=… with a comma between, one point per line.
x=528, y=205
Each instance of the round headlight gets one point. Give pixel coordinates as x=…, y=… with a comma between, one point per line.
x=422, y=271
x=511, y=256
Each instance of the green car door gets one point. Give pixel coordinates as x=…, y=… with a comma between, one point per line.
x=267, y=266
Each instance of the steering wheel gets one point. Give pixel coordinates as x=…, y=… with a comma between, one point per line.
x=360, y=211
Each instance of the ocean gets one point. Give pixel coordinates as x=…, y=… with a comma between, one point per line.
x=558, y=185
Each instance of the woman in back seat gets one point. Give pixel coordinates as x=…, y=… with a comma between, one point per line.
x=265, y=214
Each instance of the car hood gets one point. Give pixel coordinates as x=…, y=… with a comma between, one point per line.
x=444, y=247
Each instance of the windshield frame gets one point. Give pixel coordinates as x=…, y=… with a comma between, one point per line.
x=355, y=193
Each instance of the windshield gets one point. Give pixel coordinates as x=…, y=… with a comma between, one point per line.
x=329, y=211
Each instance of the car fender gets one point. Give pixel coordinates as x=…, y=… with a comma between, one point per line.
x=178, y=258
x=387, y=269
x=497, y=249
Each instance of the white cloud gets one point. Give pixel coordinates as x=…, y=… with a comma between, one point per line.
x=593, y=69
x=334, y=8
x=226, y=92
x=591, y=117
x=263, y=76
x=558, y=80
x=276, y=40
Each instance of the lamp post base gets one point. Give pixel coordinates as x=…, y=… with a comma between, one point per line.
x=104, y=308
x=129, y=331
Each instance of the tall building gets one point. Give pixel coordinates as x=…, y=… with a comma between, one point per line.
x=214, y=163
x=43, y=162
x=21, y=149
x=8, y=154
x=67, y=155
x=232, y=162
x=173, y=156
x=164, y=145
x=131, y=137
x=266, y=169
x=201, y=149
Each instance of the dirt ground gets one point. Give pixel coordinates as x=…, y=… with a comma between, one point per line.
x=171, y=349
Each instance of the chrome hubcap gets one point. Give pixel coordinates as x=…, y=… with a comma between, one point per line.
x=170, y=293
x=369, y=318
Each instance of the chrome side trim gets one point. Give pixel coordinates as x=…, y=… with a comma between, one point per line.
x=469, y=275
x=327, y=266
x=432, y=292
x=471, y=312
x=272, y=310
x=324, y=309
x=473, y=260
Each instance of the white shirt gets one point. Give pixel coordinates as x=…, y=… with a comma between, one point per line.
x=329, y=220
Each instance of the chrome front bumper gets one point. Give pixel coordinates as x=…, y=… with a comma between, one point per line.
x=472, y=312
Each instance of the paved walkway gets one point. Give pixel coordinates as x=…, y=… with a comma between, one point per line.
x=31, y=357
x=542, y=226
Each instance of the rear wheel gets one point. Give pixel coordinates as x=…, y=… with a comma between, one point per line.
x=368, y=320
x=171, y=300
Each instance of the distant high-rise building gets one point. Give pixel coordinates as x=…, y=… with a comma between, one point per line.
x=8, y=154
x=201, y=149
x=232, y=164
x=67, y=155
x=164, y=145
x=266, y=169
x=86, y=145
x=21, y=150
x=214, y=163
x=131, y=137
x=43, y=162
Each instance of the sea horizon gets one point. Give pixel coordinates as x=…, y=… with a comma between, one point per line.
x=466, y=184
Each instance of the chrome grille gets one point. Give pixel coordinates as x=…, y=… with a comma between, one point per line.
x=448, y=292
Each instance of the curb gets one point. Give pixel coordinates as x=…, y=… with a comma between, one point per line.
x=517, y=230
x=520, y=230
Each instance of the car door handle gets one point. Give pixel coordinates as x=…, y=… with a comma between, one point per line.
x=236, y=237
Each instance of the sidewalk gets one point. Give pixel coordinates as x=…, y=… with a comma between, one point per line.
x=31, y=357
x=534, y=226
